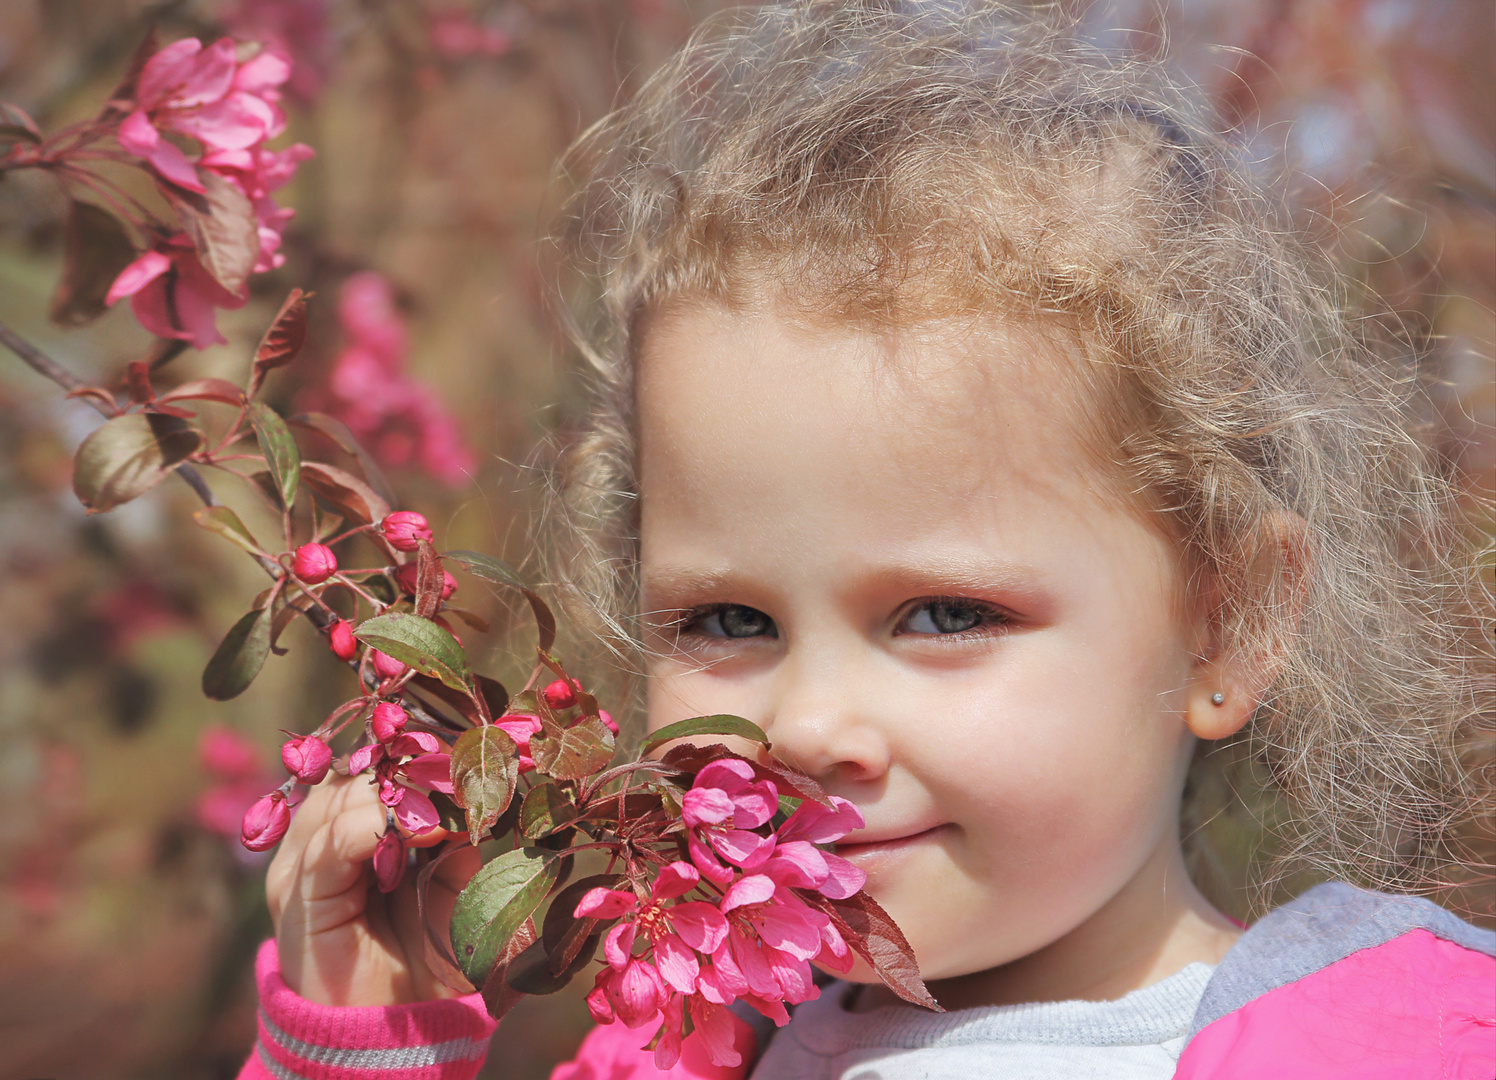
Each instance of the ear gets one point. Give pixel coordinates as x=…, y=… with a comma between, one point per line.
x=1228, y=684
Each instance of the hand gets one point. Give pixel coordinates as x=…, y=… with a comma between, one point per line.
x=340, y=940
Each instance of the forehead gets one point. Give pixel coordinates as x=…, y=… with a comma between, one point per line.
x=951, y=405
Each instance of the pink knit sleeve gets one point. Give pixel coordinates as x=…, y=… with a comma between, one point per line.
x=430, y=1040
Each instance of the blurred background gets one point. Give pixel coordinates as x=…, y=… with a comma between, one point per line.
x=128, y=913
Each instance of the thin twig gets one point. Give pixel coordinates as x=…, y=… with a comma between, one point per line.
x=41, y=362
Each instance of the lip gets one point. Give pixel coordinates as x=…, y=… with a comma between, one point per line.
x=887, y=845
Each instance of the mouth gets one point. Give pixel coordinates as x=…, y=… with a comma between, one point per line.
x=887, y=845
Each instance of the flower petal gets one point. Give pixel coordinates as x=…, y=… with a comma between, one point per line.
x=173, y=165
x=416, y=814
x=638, y=994
x=753, y=964
x=408, y=743
x=603, y=903
x=619, y=944
x=793, y=975
x=166, y=70
x=677, y=964
x=753, y=889
x=138, y=135
x=429, y=770
x=730, y=774
x=745, y=849
x=842, y=878
x=718, y=1034
x=675, y=879
x=706, y=862
x=784, y=928
x=820, y=824
x=798, y=863
x=700, y=925
x=755, y=805
x=135, y=277
x=706, y=806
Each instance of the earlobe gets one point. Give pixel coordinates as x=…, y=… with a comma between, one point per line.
x=1215, y=708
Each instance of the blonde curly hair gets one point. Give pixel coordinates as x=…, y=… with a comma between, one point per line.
x=888, y=161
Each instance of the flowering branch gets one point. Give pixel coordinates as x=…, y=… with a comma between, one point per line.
x=722, y=882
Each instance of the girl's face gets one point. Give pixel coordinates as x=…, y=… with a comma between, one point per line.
x=893, y=552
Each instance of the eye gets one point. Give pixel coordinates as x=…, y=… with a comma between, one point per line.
x=730, y=621
x=950, y=616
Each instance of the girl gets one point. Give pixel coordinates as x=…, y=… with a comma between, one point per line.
x=965, y=420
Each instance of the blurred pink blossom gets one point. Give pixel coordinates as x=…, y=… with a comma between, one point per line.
x=296, y=28
x=455, y=34
x=398, y=417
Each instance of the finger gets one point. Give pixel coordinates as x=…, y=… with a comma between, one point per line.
x=333, y=862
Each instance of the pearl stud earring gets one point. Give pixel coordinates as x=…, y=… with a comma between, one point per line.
x=1218, y=698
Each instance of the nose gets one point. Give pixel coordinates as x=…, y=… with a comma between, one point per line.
x=823, y=718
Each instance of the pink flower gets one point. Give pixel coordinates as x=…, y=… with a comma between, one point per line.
x=608, y=721
x=405, y=577
x=386, y=666
x=341, y=641
x=307, y=758
x=400, y=418
x=172, y=295
x=388, y=721
x=227, y=753
x=405, y=529
x=314, y=563
x=258, y=172
x=723, y=804
x=520, y=727
x=559, y=694
x=389, y=861
x=265, y=822
x=208, y=95
x=295, y=28
x=455, y=35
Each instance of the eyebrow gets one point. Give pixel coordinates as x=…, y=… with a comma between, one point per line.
x=929, y=577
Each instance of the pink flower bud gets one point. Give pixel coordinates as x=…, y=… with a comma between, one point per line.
x=389, y=720
x=341, y=641
x=386, y=666
x=608, y=721
x=265, y=822
x=404, y=529
x=559, y=695
x=314, y=563
x=307, y=758
x=389, y=861
x=405, y=577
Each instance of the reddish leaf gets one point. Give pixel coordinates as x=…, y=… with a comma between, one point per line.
x=439, y=958
x=219, y=390
x=501, y=573
x=545, y=809
x=345, y=493
x=138, y=383
x=875, y=937
x=128, y=456
x=498, y=996
x=333, y=428
x=494, y=696
x=221, y=223
x=485, y=771
x=16, y=123
x=282, y=342
x=95, y=248
x=573, y=753
x=99, y=396
x=428, y=580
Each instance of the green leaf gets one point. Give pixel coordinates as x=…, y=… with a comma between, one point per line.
x=495, y=904
x=499, y=572
x=485, y=770
x=704, y=725
x=239, y=656
x=95, y=248
x=546, y=809
x=281, y=456
x=128, y=456
x=574, y=753
x=421, y=644
x=226, y=523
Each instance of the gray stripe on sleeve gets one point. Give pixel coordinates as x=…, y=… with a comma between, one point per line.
x=1320, y=928
x=400, y=1057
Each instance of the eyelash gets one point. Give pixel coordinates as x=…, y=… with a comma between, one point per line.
x=991, y=620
